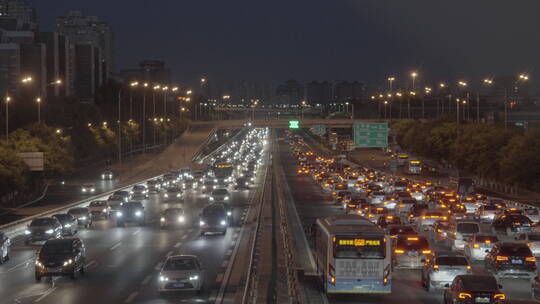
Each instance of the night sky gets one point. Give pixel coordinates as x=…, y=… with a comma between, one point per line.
x=271, y=41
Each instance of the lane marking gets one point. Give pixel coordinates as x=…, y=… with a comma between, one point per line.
x=132, y=297
x=169, y=253
x=25, y=263
x=48, y=292
x=89, y=264
x=146, y=280
x=116, y=245
x=229, y=252
x=136, y=231
x=177, y=244
x=184, y=236
x=212, y=296
x=219, y=278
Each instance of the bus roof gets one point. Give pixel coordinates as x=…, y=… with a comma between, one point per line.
x=348, y=223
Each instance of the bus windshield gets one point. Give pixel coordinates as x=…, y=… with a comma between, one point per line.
x=223, y=170
x=350, y=247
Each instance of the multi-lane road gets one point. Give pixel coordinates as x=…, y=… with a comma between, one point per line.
x=312, y=203
x=123, y=262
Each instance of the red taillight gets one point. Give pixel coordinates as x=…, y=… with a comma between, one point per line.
x=530, y=259
x=502, y=258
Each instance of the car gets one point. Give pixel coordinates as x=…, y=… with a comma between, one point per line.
x=439, y=231
x=139, y=192
x=5, y=247
x=512, y=224
x=131, y=212
x=154, y=186
x=116, y=200
x=532, y=239
x=474, y=288
x=533, y=214
x=88, y=189
x=411, y=252
x=42, y=229
x=397, y=230
x=82, y=215
x=404, y=205
x=107, y=175
x=182, y=273
x=511, y=260
x=189, y=184
x=470, y=204
x=427, y=219
x=376, y=197
x=68, y=222
x=476, y=248
x=389, y=219
x=123, y=193
x=415, y=212
x=460, y=232
x=220, y=195
x=375, y=213
x=242, y=183
x=353, y=203
x=442, y=268
x=486, y=213
x=173, y=193
x=99, y=209
x=172, y=217
x=340, y=195
x=61, y=257
x=214, y=219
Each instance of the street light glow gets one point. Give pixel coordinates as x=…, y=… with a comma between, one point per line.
x=189, y=92
x=38, y=100
x=414, y=74
x=462, y=83
x=442, y=85
x=488, y=81
x=524, y=77
x=391, y=78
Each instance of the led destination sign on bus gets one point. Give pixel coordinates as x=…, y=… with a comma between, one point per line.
x=359, y=242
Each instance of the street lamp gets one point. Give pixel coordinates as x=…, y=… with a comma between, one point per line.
x=145, y=85
x=8, y=99
x=390, y=80
x=411, y=93
x=413, y=75
x=38, y=100
x=165, y=90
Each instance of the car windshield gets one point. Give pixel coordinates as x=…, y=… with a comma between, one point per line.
x=180, y=264
x=97, y=204
x=56, y=248
x=479, y=283
x=378, y=193
x=213, y=211
x=451, y=261
x=516, y=250
x=42, y=222
x=400, y=184
x=138, y=188
x=63, y=217
x=221, y=192
x=412, y=243
x=468, y=228
x=77, y=211
x=133, y=205
x=173, y=211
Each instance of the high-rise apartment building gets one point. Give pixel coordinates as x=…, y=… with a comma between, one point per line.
x=17, y=15
x=319, y=92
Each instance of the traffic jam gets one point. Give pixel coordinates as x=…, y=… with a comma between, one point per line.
x=462, y=244
x=236, y=166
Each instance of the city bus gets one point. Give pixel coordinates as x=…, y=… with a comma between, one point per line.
x=415, y=167
x=402, y=159
x=353, y=255
x=223, y=174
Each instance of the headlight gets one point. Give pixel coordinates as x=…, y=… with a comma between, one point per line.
x=166, y=195
x=104, y=209
x=181, y=219
x=119, y=214
x=138, y=213
x=50, y=231
x=211, y=198
x=163, y=278
x=223, y=223
x=229, y=213
x=27, y=232
x=38, y=263
x=204, y=187
x=84, y=190
x=162, y=219
x=83, y=218
x=226, y=198
x=68, y=262
x=215, y=180
x=102, y=175
x=67, y=225
x=202, y=223
x=178, y=195
x=193, y=277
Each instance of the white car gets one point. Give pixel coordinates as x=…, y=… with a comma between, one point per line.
x=99, y=209
x=139, y=191
x=532, y=239
x=88, y=189
x=476, y=248
x=181, y=273
x=533, y=214
x=220, y=195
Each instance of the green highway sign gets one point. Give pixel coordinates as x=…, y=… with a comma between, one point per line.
x=294, y=124
x=370, y=135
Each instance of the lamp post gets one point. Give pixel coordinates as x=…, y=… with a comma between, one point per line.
x=427, y=91
x=398, y=94
x=145, y=85
x=165, y=90
x=414, y=75
x=411, y=93
x=119, y=126
x=38, y=100
x=486, y=82
x=521, y=78
x=8, y=99
x=440, y=108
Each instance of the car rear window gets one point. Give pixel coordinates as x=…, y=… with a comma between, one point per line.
x=490, y=207
x=413, y=243
x=516, y=250
x=451, y=261
x=468, y=228
x=485, y=238
x=479, y=283
x=402, y=230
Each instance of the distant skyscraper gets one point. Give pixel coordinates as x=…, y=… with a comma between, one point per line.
x=318, y=92
x=348, y=91
x=17, y=15
x=89, y=30
x=152, y=71
x=10, y=68
x=290, y=93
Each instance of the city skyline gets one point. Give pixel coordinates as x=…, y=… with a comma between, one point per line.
x=342, y=40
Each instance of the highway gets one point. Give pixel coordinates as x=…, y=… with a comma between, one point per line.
x=122, y=263
x=312, y=203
